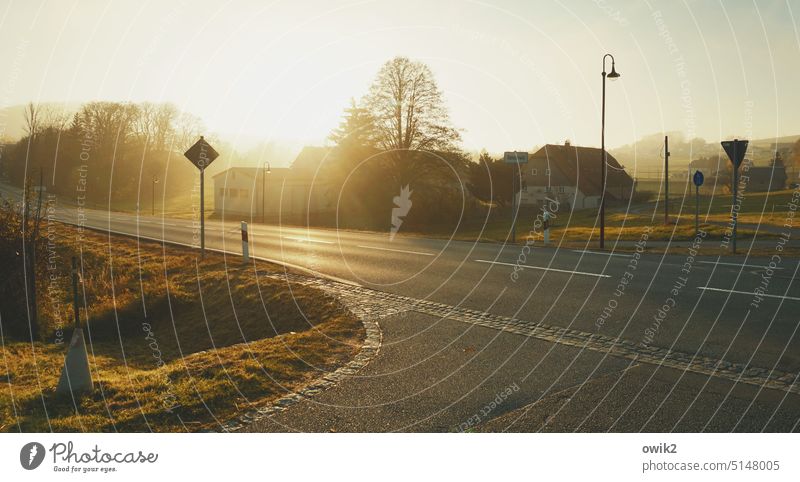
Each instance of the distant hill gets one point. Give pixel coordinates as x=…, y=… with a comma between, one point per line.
x=648, y=152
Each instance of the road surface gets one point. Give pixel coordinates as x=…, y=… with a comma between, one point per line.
x=435, y=372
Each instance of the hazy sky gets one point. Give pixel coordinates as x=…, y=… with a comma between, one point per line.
x=514, y=73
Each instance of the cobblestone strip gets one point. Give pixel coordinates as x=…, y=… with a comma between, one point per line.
x=762, y=377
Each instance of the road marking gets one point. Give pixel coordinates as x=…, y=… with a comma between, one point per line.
x=397, y=250
x=583, y=273
x=739, y=265
x=604, y=254
x=707, y=288
x=308, y=240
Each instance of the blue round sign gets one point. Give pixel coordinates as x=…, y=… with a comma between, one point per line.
x=698, y=178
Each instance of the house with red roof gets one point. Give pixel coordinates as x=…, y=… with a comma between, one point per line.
x=571, y=175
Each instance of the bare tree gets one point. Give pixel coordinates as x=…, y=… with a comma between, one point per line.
x=33, y=121
x=409, y=115
x=408, y=108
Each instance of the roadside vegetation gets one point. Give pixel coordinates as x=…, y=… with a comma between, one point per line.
x=175, y=342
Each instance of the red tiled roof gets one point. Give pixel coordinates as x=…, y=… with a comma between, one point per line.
x=581, y=167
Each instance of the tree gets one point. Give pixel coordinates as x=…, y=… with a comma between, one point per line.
x=490, y=180
x=409, y=116
x=356, y=130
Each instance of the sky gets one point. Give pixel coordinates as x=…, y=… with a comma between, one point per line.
x=515, y=74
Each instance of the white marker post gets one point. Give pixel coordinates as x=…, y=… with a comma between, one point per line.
x=546, y=225
x=245, y=243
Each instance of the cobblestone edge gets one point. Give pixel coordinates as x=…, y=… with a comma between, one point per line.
x=369, y=350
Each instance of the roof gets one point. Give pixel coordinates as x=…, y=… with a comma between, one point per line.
x=308, y=164
x=311, y=158
x=253, y=171
x=580, y=166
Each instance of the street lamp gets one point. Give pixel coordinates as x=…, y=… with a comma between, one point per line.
x=153, y=197
x=604, y=159
x=266, y=170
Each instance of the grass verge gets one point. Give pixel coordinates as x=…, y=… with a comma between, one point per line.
x=175, y=343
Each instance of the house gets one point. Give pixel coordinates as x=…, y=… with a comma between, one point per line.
x=571, y=175
x=290, y=194
x=764, y=178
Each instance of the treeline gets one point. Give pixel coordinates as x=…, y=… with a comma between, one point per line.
x=118, y=148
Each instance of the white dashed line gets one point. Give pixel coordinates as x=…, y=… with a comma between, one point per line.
x=397, y=250
x=603, y=254
x=706, y=288
x=738, y=265
x=582, y=273
x=308, y=240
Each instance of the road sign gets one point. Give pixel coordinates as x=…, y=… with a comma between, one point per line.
x=735, y=150
x=201, y=154
x=698, y=178
x=515, y=157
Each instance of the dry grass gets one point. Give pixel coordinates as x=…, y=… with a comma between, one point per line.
x=175, y=343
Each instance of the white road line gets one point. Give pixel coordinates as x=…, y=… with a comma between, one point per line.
x=738, y=264
x=583, y=273
x=706, y=288
x=396, y=250
x=601, y=253
x=308, y=240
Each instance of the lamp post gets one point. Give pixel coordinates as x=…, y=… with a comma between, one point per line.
x=266, y=170
x=153, y=196
x=613, y=75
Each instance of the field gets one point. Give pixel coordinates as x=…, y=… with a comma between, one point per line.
x=175, y=343
x=627, y=223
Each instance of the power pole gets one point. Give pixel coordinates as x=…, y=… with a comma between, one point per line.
x=666, y=179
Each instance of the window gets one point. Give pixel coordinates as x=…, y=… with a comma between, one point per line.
x=533, y=171
x=547, y=172
x=561, y=189
x=548, y=189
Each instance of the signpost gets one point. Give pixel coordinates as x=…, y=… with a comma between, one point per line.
x=201, y=154
x=698, y=181
x=735, y=150
x=666, y=179
x=515, y=158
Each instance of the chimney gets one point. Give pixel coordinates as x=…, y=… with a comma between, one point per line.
x=566, y=143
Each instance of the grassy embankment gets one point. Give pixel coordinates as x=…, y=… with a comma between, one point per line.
x=575, y=229
x=216, y=338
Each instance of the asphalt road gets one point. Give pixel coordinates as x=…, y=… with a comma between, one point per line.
x=694, y=304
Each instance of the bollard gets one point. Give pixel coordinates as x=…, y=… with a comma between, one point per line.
x=245, y=243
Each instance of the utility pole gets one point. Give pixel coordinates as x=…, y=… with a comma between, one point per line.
x=264, y=171
x=153, y=198
x=666, y=179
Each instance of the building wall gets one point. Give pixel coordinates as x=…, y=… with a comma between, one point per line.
x=239, y=194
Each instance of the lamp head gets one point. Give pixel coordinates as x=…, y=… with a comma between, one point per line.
x=614, y=75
